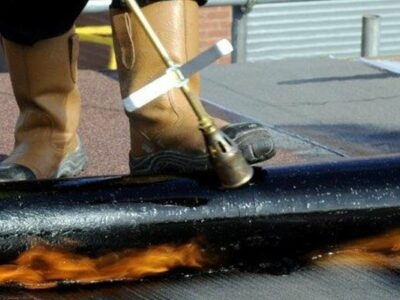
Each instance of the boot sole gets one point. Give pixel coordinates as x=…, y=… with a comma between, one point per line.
x=73, y=164
x=169, y=162
x=253, y=140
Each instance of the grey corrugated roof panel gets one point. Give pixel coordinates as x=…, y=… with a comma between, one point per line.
x=320, y=8
x=318, y=28
x=312, y=38
x=254, y=22
x=312, y=47
x=326, y=4
x=315, y=43
x=263, y=57
x=345, y=53
x=389, y=28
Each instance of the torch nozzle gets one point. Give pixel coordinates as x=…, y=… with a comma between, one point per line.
x=228, y=162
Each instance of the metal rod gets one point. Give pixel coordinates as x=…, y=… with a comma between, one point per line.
x=150, y=33
x=239, y=35
x=371, y=25
x=284, y=209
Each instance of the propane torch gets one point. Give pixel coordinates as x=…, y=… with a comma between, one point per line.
x=227, y=160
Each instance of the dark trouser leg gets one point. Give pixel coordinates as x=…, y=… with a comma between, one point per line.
x=29, y=21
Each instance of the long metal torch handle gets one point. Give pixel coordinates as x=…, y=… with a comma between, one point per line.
x=132, y=4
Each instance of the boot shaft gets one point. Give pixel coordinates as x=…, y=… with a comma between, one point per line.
x=44, y=78
x=175, y=23
x=168, y=121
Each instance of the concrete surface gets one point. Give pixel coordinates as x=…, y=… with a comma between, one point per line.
x=329, y=101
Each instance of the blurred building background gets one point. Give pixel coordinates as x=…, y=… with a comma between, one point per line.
x=301, y=28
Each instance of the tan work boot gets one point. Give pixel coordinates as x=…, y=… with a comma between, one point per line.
x=44, y=77
x=164, y=134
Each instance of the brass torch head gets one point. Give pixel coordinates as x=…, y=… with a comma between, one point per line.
x=228, y=162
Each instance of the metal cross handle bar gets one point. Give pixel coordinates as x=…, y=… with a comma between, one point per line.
x=228, y=162
x=176, y=77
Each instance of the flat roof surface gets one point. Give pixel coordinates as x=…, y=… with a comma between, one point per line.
x=327, y=100
x=317, y=109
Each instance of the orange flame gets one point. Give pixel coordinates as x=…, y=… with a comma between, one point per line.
x=381, y=251
x=43, y=267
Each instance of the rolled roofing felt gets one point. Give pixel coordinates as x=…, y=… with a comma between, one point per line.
x=285, y=210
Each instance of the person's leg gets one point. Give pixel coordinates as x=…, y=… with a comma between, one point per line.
x=27, y=22
x=164, y=133
x=42, y=53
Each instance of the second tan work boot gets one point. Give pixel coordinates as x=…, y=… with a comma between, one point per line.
x=164, y=134
x=44, y=78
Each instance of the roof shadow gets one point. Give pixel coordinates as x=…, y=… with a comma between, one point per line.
x=370, y=137
x=339, y=78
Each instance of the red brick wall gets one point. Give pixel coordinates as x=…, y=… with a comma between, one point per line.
x=215, y=24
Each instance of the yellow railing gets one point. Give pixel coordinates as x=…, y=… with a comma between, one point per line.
x=99, y=35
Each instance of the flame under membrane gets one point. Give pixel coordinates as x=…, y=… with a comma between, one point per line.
x=43, y=267
x=382, y=251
